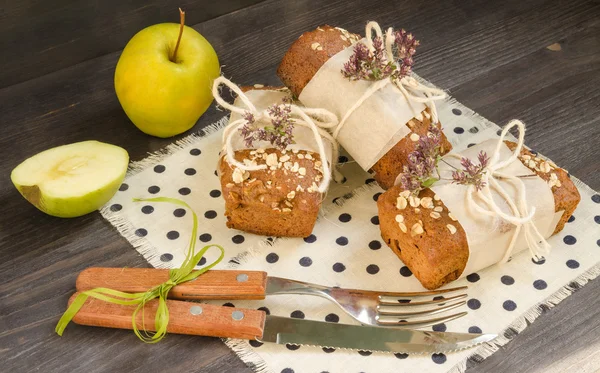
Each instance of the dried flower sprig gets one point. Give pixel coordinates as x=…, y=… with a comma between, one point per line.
x=364, y=64
x=279, y=133
x=421, y=170
x=471, y=174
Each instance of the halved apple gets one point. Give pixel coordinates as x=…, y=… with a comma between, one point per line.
x=72, y=180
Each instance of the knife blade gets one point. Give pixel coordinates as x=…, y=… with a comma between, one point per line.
x=231, y=322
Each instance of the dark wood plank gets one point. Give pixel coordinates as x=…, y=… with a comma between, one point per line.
x=491, y=55
x=39, y=37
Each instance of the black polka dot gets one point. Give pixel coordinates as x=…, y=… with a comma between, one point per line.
x=439, y=297
x=305, y=262
x=123, y=187
x=254, y=343
x=597, y=219
x=215, y=193
x=470, y=145
x=438, y=358
x=364, y=353
x=141, y=232
x=147, y=209
x=473, y=129
x=400, y=355
x=569, y=240
x=228, y=304
x=205, y=237
x=507, y=280
x=596, y=198
x=342, y=159
x=179, y=213
x=475, y=329
x=238, y=238
x=498, y=132
x=473, y=303
x=372, y=269
x=195, y=151
x=272, y=258
x=216, y=173
x=344, y=218
x=376, y=196
x=459, y=130
x=292, y=347
x=116, y=207
x=473, y=277
x=375, y=220
x=369, y=181
x=439, y=327
x=297, y=314
x=342, y=241
x=572, y=264
x=374, y=245
x=339, y=267
x=159, y=168
x=265, y=310
x=456, y=111
x=287, y=370
x=210, y=214
x=190, y=171
x=405, y=271
x=539, y=261
x=328, y=350
x=598, y=242
x=172, y=235
x=540, y=284
x=571, y=219
x=403, y=300
x=202, y=261
x=153, y=189
x=310, y=239
x=509, y=305
x=184, y=191
x=332, y=317
x=166, y=257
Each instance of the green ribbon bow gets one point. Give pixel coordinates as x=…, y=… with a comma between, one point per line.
x=176, y=276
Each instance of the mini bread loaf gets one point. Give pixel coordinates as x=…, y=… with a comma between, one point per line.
x=433, y=245
x=282, y=200
x=306, y=56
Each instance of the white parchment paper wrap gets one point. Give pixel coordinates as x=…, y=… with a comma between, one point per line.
x=304, y=139
x=376, y=126
x=489, y=237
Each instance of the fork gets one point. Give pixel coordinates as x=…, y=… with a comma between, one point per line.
x=367, y=307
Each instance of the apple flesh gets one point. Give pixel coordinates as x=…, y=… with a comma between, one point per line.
x=164, y=98
x=72, y=180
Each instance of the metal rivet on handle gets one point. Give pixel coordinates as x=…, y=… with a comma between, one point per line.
x=242, y=277
x=237, y=315
x=196, y=310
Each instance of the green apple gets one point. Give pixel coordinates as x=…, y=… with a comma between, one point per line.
x=72, y=180
x=163, y=88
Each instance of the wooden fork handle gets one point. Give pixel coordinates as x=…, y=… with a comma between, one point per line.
x=214, y=284
x=184, y=318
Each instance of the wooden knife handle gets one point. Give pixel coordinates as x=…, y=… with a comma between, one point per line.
x=184, y=318
x=214, y=284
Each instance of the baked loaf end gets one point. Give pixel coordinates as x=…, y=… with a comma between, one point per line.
x=281, y=202
x=439, y=253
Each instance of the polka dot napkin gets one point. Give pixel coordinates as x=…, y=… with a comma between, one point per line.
x=346, y=250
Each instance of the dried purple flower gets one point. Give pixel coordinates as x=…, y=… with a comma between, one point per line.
x=421, y=169
x=364, y=64
x=279, y=133
x=471, y=173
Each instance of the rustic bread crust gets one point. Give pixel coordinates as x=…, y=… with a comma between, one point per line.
x=437, y=256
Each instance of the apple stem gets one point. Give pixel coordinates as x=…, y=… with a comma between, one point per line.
x=181, y=24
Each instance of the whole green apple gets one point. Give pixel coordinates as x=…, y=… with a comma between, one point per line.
x=163, y=81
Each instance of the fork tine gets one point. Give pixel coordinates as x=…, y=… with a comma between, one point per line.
x=395, y=301
x=394, y=310
x=399, y=322
x=421, y=293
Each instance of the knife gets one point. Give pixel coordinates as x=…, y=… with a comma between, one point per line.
x=232, y=322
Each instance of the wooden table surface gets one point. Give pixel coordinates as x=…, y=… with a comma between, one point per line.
x=534, y=60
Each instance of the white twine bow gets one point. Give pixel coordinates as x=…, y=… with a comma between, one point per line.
x=410, y=88
x=522, y=215
x=315, y=119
